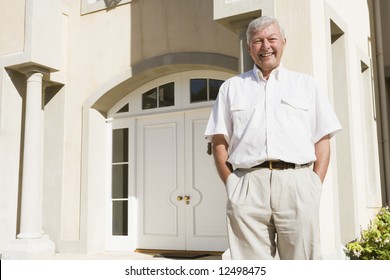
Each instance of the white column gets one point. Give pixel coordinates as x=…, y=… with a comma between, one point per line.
x=30, y=243
x=31, y=203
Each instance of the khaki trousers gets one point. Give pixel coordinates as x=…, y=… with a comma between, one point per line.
x=269, y=210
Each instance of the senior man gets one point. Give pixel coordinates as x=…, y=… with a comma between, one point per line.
x=271, y=129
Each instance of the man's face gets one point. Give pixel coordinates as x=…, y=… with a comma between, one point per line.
x=266, y=48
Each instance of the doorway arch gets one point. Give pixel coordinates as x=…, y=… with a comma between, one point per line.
x=95, y=140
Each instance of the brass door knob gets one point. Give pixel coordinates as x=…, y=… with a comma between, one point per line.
x=179, y=198
x=187, y=198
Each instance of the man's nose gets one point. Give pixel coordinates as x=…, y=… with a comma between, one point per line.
x=265, y=44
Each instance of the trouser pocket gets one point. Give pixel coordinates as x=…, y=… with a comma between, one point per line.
x=231, y=184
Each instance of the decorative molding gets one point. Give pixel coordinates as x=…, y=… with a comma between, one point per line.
x=34, y=69
x=155, y=67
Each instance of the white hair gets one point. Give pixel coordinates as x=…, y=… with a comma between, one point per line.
x=259, y=24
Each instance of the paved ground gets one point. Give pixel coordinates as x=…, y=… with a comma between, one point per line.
x=119, y=256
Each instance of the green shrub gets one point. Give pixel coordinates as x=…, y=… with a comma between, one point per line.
x=374, y=242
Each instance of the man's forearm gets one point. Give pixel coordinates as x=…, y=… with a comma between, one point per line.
x=220, y=153
x=322, y=150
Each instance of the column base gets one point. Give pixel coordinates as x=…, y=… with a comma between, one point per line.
x=29, y=249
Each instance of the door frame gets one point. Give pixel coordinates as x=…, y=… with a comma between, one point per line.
x=128, y=120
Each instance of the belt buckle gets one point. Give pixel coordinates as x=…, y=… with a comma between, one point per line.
x=270, y=165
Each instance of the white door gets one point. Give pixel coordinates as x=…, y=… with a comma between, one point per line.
x=160, y=180
x=181, y=201
x=206, y=216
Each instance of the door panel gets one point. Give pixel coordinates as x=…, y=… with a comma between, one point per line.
x=206, y=228
x=160, y=181
x=172, y=163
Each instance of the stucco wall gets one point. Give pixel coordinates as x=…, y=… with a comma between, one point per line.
x=295, y=16
x=160, y=27
x=11, y=92
x=12, y=26
x=98, y=48
x=358, y=43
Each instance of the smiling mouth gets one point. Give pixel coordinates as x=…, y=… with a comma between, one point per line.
x=266, y=54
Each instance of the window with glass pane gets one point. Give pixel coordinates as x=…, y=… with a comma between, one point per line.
x=198, y=90
x=202, y=90
x=149, y=99
x=162, y=96
x=166, y=95
x=119, y=217
x=124, y=109
x=120, y=145
x=214, y=86
x=120, y=179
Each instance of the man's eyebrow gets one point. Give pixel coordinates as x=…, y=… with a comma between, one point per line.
x=272, y=34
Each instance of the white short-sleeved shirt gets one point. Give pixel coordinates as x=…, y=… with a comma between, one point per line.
x=278, y=119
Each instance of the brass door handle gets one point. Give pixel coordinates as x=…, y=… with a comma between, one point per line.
x=186, y=198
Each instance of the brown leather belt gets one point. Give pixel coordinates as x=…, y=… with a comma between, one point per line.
x=280, y=165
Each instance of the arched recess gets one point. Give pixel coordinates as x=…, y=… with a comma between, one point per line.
x=94, y=136
x=153, y=68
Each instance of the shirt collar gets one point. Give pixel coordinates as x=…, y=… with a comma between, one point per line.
x=277, y=73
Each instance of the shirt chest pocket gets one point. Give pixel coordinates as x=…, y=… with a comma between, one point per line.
x=294, y=111
x=242, y=117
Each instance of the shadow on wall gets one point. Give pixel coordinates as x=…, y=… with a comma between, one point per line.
x=111, y=3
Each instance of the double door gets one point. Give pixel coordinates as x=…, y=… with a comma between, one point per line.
x=181, y=200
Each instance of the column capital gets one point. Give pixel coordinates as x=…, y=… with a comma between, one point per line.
x=31, y=69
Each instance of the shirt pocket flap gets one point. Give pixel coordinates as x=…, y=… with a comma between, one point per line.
x=242, y=106
x=297, y=103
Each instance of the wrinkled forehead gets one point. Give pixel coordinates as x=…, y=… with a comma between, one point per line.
x=258, y=27
x=270, y=29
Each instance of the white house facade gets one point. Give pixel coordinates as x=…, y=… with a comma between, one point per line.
x=103, y=107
